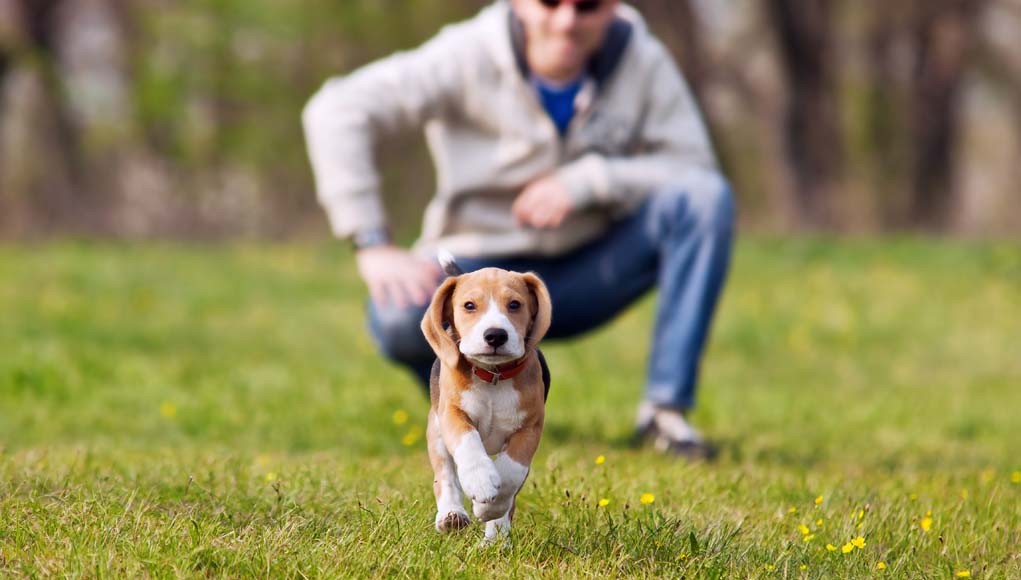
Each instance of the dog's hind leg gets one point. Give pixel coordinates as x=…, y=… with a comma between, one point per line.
x=499, y=528
x=450, y=512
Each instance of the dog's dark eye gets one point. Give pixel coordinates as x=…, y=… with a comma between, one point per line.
x=469, y=306
x=514, y=305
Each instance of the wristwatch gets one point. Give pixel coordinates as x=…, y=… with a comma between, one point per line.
x=371, y=238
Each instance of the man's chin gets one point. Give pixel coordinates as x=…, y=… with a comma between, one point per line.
x=567, y=63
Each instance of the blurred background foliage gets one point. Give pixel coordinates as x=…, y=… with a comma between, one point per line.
x=180, y=118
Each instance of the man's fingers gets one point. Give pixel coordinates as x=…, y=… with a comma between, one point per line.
x=432, y=273
x=522, y=207
x=558, y=217
x=395, y=293
x=539, y=206
x=378, y=293
x=397, y=278
x=530, y=211
x=417, y=291
x=429, y=280
x=534, y=219
x=541, y=219
x=523, y=216
x=548, y=217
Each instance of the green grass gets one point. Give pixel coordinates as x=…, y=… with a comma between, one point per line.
x=217, y=411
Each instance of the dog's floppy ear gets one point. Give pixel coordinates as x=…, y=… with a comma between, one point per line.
x=542, y=309
x=440, y=311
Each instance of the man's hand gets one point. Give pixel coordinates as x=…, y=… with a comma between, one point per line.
x=544, y=203
x=396, y=276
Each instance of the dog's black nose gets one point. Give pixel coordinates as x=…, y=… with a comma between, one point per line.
x=495, y=336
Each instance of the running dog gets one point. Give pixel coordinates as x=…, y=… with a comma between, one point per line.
x=488, y=391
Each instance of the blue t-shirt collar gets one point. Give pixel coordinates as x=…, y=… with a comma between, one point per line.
x=558, y=99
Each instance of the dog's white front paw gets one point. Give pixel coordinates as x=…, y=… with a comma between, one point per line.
x=480, y=481
x=449, y=521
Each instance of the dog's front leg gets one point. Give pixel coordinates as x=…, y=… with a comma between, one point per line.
x=513, y=464
x=450, y=514
x=475, y=470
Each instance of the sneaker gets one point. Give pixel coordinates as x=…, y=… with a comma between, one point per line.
x=670, y=433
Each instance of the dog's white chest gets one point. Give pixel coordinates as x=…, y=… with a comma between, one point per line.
x=494, y=411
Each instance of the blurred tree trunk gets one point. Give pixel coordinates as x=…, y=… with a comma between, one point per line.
x=945, y=32
x=69, y=161
x=42, y=19
x=887, y=105
x=39, y=166
x=8, y=39
x=93, y=60
x=999, y=60
x=805, y=31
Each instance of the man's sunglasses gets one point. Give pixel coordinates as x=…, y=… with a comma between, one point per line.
x=581, y=6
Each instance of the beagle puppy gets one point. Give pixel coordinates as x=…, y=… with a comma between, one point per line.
x=488, y=391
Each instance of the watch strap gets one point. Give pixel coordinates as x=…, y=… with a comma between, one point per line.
x=370, y=238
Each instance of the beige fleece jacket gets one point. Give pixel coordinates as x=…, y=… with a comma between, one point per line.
x=635, y=130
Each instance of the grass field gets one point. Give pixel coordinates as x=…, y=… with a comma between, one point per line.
x=174, y=410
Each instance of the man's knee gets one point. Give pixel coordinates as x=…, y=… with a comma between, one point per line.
x=707, y=205
x=714, y=206
x=398, y=333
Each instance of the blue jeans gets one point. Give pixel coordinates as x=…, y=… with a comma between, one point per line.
x=677, y=240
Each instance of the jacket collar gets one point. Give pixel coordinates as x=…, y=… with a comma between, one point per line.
x=602, y=64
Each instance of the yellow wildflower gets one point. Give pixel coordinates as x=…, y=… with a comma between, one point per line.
x=792, y=510
x=271, y=476
x=168, y=410
x=770, y=567
x=926, y=524
x=600, y=460
x=846, y=548
x=963, y=573
x=803, y=529
x=859, y=542
x=400, y=417
x=647, y=498
x=881, y=566
x=831, y=548
x=411, y=437
x=808, y=537
x=818, y=500
x=803, y=567
x=1015, y=477
x=819, y=522
x=964, y=494
x=861, y=514
x=604, y=502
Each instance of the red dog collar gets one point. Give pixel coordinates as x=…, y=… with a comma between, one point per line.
x=508, y=371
